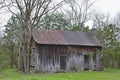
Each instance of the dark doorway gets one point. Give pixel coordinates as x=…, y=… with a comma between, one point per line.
x=94, y=61
x=63, y=62
x=86, y=62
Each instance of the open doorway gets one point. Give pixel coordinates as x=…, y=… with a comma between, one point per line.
x=62, y=62
x=86, y=62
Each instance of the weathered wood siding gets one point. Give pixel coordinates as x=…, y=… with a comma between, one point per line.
x=99, y=62
x=48, y=57
x=75, y=61
x=54, y=58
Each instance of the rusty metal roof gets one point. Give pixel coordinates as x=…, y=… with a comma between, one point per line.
x=64, y=37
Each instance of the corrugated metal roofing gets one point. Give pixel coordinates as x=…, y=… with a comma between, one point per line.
x=64, y=37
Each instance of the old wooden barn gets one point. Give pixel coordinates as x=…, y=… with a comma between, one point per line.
x=62, y=50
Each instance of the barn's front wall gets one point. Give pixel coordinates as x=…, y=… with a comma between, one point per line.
x=53, y=58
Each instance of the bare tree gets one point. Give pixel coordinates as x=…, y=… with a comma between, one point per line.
x=117, y=23
x=117, y=20
x=100, y=20
x=29, y=13
x=1, y=4
x=80, y=12
x=105, y=28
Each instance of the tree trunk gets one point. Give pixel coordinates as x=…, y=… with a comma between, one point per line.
x=24, y=58
x=25, y=51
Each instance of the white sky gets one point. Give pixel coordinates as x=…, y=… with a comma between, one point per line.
x=103, y=6
x=108, y=6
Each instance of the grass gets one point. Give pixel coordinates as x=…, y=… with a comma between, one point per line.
x=107, y=74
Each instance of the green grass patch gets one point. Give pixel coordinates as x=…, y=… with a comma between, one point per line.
x=107, y=74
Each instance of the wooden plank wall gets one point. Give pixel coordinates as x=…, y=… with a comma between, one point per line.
x=48, y=58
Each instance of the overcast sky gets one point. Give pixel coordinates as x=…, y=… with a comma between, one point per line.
x=103, y=6
x=108, y=6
